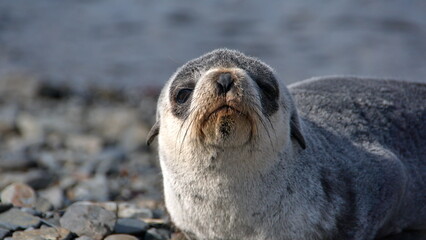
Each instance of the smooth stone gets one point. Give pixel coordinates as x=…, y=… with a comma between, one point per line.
x=87, y=143
x=94, y=189
x=15, y=219
x=7, y=119
x=35, y=178
x=30, y=127
x=110, y=206
x=39, y=179
x=5, y=206
x=90, y=220
x=157, y=234
x=16, y=160
x=53, y=195
x=43, y=205
x=43, y=234
x=19, y=194
x=110, y=161
x=3, y=232
x=126, y=210
x=130, y=226
x=84, y=238
x=121, y=237
x=31, y=211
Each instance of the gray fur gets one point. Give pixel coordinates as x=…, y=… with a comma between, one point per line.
x=352, y=164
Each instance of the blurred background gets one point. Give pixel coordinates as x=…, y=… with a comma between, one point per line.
x=79, y=81
x=132, y=43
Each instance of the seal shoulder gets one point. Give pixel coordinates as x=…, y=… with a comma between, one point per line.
x=386, y=111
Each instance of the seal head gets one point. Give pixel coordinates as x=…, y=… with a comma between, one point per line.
x=223, y=99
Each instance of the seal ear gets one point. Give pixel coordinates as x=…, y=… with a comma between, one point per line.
x=153, y=133
x=295, y=131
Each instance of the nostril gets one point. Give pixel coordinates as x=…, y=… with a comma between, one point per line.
x=224, y=83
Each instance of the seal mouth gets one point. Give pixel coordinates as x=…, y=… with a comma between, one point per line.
x=227, y=109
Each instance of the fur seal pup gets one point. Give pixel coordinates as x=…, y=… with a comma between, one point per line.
x=243, y=157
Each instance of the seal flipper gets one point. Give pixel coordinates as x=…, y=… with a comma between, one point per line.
x=153, y=133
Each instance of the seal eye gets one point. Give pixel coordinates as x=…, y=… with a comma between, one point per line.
x=183, y=95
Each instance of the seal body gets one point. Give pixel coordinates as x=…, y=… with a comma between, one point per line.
x=244, y=157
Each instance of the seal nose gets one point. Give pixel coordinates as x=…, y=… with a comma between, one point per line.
x=224, y=83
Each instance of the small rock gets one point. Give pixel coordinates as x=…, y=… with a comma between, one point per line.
x=31, y=211
x=43, y=234
x=134, y=137
x=16, y=160
x=5, y=206
x=84, y=238
x=30, y=127
x=7, y=119
x=3, y=232
x=39, y=179
x=48, y=160
x=43, y=205
x=89, y=144
x=110, y=206
x=15, y=219
x=89, y=220
x=157, y=234
x=36, y=178
x=130, y=226
x=53, y=195
x=121, y=237
x=126, y=210
x=19, y=194
x=109, y=161
x=94, y=189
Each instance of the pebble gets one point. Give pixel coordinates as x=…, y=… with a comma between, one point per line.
x=19, y=194
x=157, y=234
x=14, y=219
x=84, y=238
x=87, y=143
x=121, y=237
x=89, y=220
x=54, y=196
x=110, y=160
x=13, y=161
x=43, y=205
x=5, y=206
x=94, y=189
x=7, y=119
x=43, y=234
x=30, y=127
x=130, y=226
x=39, y=178
x=3, y=232
x=127, y=210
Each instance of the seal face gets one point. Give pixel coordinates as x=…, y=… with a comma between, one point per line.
x=239, y=163
x=222, y=98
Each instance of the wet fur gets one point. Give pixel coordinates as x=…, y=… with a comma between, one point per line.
x=349, y=163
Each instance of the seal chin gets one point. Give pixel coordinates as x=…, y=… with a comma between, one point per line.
x=226, y=126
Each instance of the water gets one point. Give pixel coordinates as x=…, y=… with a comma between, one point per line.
x=131, y=43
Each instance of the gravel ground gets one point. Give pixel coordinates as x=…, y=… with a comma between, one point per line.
x=75, y=164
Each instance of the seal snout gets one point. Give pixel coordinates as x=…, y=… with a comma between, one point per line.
x=224, y=83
